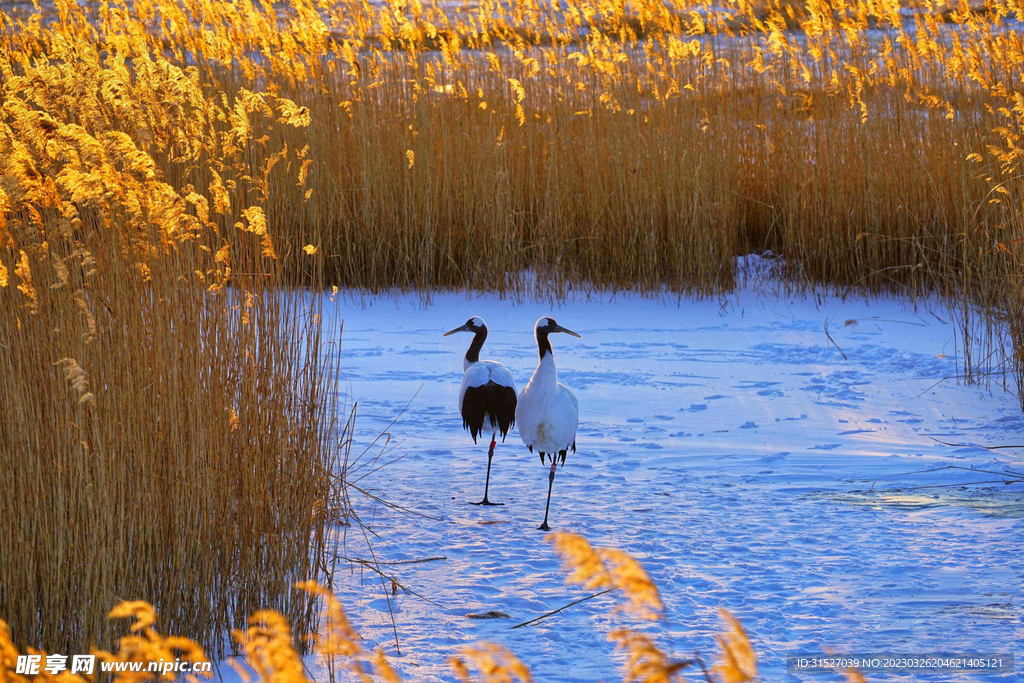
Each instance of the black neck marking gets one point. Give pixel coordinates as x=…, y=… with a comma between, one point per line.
x=473, y=355
x=543, y=345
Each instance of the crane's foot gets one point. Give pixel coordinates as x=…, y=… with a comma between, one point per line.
x=484, y=502
x=544, y=527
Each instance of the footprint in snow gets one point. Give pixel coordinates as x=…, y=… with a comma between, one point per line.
x=825, y=446
x=781, y=455
x=695, y=407
x=755, y=384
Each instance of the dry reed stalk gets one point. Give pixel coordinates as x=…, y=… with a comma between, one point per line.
x=167, y=167
x=528, y=148
x=166, y=428
x=268, y=652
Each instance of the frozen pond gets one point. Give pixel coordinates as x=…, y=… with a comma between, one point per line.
x=729, y=446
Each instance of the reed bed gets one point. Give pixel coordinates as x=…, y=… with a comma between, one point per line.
x=537, y=147
x=166, y=421
x=169, y=167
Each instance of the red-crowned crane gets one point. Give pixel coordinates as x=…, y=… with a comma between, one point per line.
x=487, y=398
x=548, y=412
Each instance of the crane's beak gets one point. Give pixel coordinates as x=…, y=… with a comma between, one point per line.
x=457, y=329
x=559, y=328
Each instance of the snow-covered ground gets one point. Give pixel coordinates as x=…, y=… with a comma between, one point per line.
x=727, y=445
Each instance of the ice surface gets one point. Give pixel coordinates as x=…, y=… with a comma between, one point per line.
x=727, y=445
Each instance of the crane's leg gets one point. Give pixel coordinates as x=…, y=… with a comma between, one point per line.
x=551, y=480
x=487, y=485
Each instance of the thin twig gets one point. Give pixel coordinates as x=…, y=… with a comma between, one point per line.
x=887, y=320
x=952, y=467
x=384, y=588
x=386, y=432
x=971, y=445
x=405, y=588
x=574, y=602
x=426, y=559
x=1008, y=480
x=394, y=506
x=377, y=469
x=834, y=341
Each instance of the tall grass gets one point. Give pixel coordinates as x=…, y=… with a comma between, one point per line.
x=165, y=419
x=875, y=145
x=167, y=167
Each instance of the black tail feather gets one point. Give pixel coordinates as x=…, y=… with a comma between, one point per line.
x=486, y=403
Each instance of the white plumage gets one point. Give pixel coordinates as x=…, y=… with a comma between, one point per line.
x=547, y=411
x=487, y=397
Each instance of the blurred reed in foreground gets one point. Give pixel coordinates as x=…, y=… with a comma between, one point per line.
x=268, y=654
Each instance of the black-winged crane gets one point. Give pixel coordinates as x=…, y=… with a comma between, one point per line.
x=487, y=398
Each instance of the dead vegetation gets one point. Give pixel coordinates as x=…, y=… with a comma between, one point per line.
x=534, y=148
x=168, y=168
x=166, y=430
x=269, y=656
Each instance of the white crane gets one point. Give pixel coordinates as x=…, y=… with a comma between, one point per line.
x=548, y=412
x=487, y=398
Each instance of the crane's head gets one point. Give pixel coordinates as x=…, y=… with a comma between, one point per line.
x=474, y=324
x=547, y=325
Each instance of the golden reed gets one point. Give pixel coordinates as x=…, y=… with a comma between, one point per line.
x=167, y=167
x=268, y=654
x=535, y=147
x=165, y=427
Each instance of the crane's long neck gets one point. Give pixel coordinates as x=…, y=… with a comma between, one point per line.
x=473, y=354
x=545, y=373
x=543, y=345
